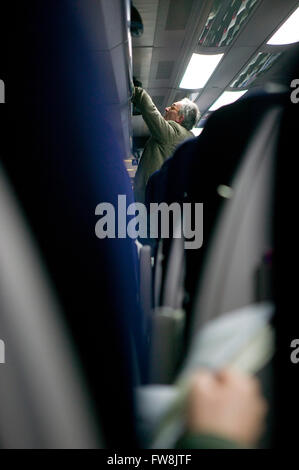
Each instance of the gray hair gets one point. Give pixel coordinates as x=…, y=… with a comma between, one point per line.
x=190, y=112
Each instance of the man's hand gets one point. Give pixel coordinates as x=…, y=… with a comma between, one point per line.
x=227, y=404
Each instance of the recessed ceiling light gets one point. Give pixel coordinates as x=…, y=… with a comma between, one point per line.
x=199, y=70
x=197, y=130
x=288, y=33
x=227, y=97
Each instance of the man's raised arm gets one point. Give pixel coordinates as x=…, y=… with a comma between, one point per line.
x=159, y=128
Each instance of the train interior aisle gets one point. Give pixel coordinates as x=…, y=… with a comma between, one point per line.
x=106, y=323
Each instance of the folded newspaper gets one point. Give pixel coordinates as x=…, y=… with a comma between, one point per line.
x=243, y=339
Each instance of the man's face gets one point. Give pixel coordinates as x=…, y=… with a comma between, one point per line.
x=172, y=112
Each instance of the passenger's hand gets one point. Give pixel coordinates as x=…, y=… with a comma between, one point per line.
x=227, y=404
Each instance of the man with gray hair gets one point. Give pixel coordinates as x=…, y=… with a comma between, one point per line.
x=166, y=133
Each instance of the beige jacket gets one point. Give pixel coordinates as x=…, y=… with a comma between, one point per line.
x=165, y=136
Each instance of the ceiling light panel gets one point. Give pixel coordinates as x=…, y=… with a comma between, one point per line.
x=227, y=97
x=197, y=131
x=199, y=70
x=225, y=21
x=288, y=33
